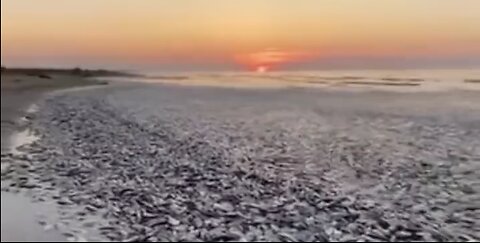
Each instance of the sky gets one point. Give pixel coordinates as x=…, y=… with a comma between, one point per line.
x=241, y=34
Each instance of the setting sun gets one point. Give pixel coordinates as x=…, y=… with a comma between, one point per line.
x=261, y=69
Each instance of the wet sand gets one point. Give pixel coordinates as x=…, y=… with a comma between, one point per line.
x=19, y=219
x=18, y=213
x=19, y=90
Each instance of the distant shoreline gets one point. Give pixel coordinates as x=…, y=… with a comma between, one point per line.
x=68, y=71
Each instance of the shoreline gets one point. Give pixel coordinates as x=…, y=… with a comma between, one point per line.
x=21, y=213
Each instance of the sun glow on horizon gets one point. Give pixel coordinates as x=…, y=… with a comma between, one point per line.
x=245, y=34
x=261, y=69
x=262, y=61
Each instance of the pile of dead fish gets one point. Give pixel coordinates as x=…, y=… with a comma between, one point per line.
x=174, y=178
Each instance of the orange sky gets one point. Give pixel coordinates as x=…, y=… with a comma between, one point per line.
x=237, y=33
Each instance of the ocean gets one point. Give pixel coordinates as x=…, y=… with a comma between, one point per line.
x=393, y=80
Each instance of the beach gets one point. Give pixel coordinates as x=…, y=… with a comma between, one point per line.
x=20, y=90
x=187, y=162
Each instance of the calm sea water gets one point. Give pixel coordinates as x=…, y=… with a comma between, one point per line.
x=395, y=80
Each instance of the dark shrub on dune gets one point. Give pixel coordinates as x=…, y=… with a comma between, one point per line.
x=84, y=72
x=472, y=81
x=78, y=71
x=44, y=76
x=37, y=73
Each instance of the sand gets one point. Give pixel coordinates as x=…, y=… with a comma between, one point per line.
x=19, y=90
